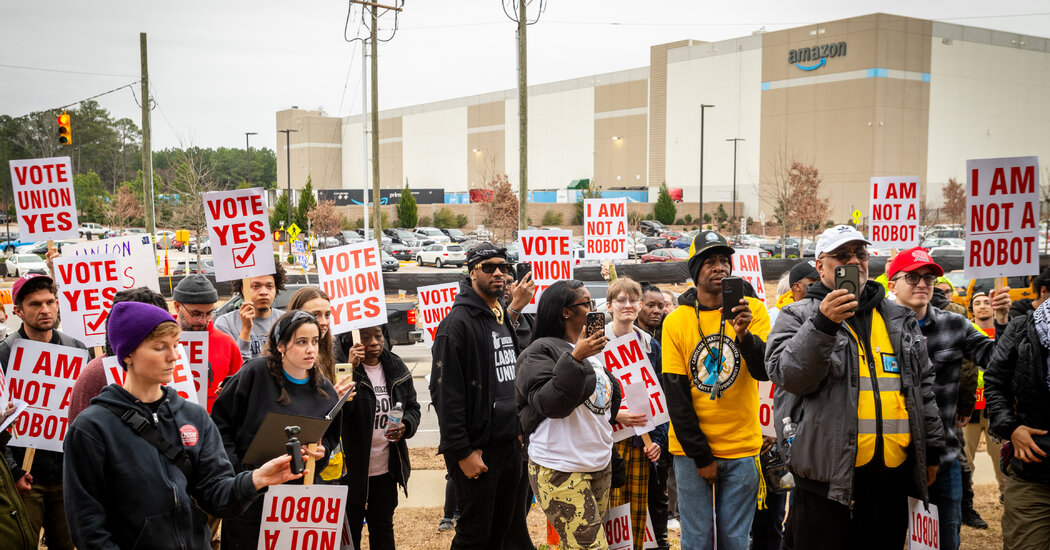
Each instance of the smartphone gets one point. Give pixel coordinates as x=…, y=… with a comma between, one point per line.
x=522, y=269
x=595, y=322
x=342, y=370
x=848, y=277
x=732, y=293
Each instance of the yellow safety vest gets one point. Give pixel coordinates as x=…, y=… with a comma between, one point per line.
x=885, y=379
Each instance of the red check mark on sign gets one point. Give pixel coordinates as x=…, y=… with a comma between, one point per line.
x=245, y=259
x=93, y=327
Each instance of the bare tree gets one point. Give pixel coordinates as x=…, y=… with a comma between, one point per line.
x=501, y=211
x=191, y=180
x=126, y=207
x=807, y=204
x=776, y=191
x=325, y=219
x=954, y=207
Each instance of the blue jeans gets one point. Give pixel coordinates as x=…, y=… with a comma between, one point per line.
x=946, y=493
x=736, y=493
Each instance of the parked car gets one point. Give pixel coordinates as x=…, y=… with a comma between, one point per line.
x=929, y=244
x=371, y=235
x=683, y=242
x=399, y=252
x=93, y=229
x=652, y=243
x=442, y=254
x=21, y=264
x=666, y=255
x=432, y=234
x=792, y=248
x=652, y=227
x=349, y=237
x=165, y=238
x=673, y=235
x=40, y=247
x=186, y=267
x=456, y=235
x=1020, y=287
x=746, y=241
x=513, y=252
x=390, y=263
x=133, y=231
x=205, y=246
x=12, y=243
x=939, y=253
x=403, y=236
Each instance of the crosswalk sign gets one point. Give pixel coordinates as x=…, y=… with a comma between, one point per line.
x=293, y=231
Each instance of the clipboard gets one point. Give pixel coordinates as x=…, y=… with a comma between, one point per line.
x=270, y=440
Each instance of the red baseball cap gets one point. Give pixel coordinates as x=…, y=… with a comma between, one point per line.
x=912, y=259
x=17, y=287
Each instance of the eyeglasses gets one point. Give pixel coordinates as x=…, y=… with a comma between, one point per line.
x=491, y=268
x=845, y=255
x=623, y=301
x=197, y=314
x=913, y=278
x=589, y=303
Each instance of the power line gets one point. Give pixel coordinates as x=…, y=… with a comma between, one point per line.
x=95, y=96
x=44, y=69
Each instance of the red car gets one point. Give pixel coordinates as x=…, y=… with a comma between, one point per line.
x=666, y=255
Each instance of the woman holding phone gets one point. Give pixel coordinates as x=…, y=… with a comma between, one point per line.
x=376, y=452
x=564, y=393
x=284, y=381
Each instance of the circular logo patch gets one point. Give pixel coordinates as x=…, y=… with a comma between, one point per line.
x=188, y=433
x=708, y=371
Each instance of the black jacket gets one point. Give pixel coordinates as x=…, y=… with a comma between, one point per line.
x=1016, y=392
x=463, y=376
x=121, y=492
x=358, y=417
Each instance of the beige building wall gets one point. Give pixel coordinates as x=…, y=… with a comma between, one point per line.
x=658, y=106
x=433, y=146
x=486, y=137
x=561, y=135
x=316, y=149
x=621, y=122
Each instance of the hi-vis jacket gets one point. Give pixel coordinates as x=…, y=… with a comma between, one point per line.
x=817, y=368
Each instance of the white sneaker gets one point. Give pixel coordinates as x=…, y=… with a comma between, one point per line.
x=673, y=524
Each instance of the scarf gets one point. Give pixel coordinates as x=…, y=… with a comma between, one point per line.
x=1042, y=329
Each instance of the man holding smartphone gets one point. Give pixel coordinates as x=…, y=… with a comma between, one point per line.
x=854, y=383
x=711, y=362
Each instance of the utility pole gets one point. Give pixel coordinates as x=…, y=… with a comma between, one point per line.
x=516, y=11
x=702, y=107
x=288, y=164
x=734, y=140
x=377, y=220
x=248, y=153
x=147, y=156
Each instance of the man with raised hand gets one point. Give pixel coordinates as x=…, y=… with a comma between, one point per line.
x=249, y=325
x=855, y=384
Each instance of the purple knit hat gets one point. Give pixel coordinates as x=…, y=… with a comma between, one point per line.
x=130, y=323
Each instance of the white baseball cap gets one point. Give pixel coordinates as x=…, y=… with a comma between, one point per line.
x=837, y=236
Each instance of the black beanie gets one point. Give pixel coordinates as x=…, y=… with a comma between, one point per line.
x=195, y=289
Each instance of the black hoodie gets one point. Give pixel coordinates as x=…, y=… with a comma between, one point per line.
x=121, y=492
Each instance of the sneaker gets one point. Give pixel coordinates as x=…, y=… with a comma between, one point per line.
x=445, y=525
x=673, y=524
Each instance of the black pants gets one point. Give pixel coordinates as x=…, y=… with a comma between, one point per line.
x=767, y=527
x=658, y=499
x=382, y=499
x=451, y=509
x=879, y=518
x=486, y=504
x=518, y=537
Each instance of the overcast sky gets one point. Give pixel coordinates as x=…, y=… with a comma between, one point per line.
x=219, y=68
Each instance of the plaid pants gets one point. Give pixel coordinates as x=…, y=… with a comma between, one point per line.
x=636, y=491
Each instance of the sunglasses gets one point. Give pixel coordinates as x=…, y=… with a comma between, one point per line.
x=845, y=255
x=491, y=268
x=913, y=278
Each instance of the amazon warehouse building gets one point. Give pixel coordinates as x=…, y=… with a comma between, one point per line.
x=875, y=95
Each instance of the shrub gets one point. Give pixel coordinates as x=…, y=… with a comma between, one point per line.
x=552, y=217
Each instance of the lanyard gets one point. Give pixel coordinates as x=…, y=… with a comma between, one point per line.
x=712, y=378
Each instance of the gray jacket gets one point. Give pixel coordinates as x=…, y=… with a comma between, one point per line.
x=815, y=366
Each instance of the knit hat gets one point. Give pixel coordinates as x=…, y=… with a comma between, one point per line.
x=704, y=244
x=130, y=323
x=195, y=289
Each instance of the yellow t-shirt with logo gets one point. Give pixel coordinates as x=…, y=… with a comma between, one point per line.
x=729, y=422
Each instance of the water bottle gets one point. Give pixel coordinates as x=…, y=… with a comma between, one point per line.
x=393, y=418
x=789, y=432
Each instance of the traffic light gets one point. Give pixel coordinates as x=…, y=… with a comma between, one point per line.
x=65, y=134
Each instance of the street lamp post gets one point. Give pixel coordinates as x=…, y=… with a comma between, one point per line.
x=248, y=152
x=734, y=140
x=702, y=107
x=288, y=164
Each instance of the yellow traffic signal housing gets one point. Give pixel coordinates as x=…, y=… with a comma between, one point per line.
x=65, y=134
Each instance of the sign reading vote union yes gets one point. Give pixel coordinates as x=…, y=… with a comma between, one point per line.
x=239, y=228
x=549, y=252
x=43, y=193
x=1002, y=217
x=352, y=277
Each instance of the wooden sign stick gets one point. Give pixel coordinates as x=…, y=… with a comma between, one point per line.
x=308, y=478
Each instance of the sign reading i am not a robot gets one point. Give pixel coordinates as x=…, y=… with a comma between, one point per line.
x=1002, y=217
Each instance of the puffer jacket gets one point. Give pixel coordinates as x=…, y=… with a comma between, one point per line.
x=1015, y=388
x=815, y=366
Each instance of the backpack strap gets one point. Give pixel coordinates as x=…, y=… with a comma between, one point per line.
x=141, y=426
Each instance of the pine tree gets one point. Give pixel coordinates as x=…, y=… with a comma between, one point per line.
x=307, y=202
x=665, y=210
x=407, y=213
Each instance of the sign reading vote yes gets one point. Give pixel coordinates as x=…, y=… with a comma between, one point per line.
x=894, y=212
x=42, y=375
x=605, y=228
x=435, y=301
x=302, y=517
x=240, y=233
x=550, y=254
x=86, y=286
x=1002, y=217
x=352, y=277
x=43, y=190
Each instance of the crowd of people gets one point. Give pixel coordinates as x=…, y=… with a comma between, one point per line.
x=882, y=393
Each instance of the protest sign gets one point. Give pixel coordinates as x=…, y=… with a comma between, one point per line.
x=650, y=533
x=923, y=526
x=302, y=517
x=181, y=377
x=239, y=228
x=550, y=254
x=352, y=277
x=435, y=301
x=42, y=375
x=195, y=344
x=86, y=286
x=136, y=257
x=1002, y=217
x=765, y=408
x=894, y=212
x=44, y=200
x=617, y=524
x=642, y=392
x=747, y=266
x=299, y=249
x=605, y=228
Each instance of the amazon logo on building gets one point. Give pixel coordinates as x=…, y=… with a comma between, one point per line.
x=815, y=57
